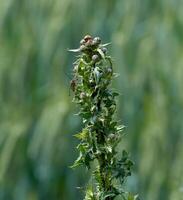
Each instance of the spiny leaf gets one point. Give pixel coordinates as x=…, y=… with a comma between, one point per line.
x=120, y=128
x=82, y=135
x=74, y=50
x=78, y=162
x=96, y=75
x=89, y=194
x=106, y=44
x=131, y=197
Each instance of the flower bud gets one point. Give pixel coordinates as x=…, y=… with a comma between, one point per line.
x=82, y=42
x=104, y=50
x=87, y=37
x=96, y=41
x=95, y=58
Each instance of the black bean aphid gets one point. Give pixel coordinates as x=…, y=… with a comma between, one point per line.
x=73, y=85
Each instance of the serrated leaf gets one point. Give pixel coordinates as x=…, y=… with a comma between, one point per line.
x=82, y=147
x=82, y=61
x=120, y=128
x=78, y=162
x=89, y=194
x=96, y=75
x=82, y=135
x=106, y=44
x=109, y=195
x=131, y=197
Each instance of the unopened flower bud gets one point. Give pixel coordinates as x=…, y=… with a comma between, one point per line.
x=87, y=37
x=95, y=58
x=96, y=41
x=82, y=41
x=104, y=50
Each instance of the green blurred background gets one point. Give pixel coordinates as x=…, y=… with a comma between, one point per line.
x=37, y=118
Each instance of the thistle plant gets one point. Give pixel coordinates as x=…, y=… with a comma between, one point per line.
x=92, y=76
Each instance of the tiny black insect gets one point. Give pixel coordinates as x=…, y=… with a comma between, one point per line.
x=73, y=85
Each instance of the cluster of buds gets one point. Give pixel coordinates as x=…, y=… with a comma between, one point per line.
x=90, y=46
x=88, y=41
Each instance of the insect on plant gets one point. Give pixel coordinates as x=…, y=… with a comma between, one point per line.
x=101, y=134
x=73, y=84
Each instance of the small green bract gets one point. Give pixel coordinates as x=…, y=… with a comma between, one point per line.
x=92, y=75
